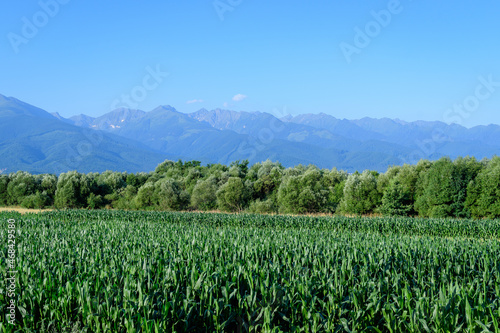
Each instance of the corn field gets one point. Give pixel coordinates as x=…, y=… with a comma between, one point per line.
x=116, y=271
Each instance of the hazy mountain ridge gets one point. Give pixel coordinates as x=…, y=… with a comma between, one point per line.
x=33, y=140
x=135, y=140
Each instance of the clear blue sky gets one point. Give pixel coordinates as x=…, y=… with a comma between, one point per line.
x=279, y=54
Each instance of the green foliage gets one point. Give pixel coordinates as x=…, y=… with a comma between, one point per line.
x=483, y=194
x=267, y=206
x=170, y=195
x=444, y=187
x=192, y=178
x=267, y=178
x=137, y=180
x=4, y=196
x=360, y=194
x=126, y=198
x=306, y=192
x=21, y=184
x=37, y=200
x=385, y=179
x=110, y=182
x=164, y=167
x=204, y=195
x=116, y=271
x=398, y=187
x=48, y=184
x=238, y=169
x=95, y=201
x=465, y=170
x=233, y=195
x=396, y=200
x=145, y=198
x=73, y=189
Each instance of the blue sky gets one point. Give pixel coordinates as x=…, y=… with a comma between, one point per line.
x=419, y=60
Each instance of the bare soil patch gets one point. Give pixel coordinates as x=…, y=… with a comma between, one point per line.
x=23, y=210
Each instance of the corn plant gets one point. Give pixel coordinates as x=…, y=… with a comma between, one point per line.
x=116, y=271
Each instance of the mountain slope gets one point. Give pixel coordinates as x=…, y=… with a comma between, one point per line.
x=133, y=140
x=33, y=140
x=252, y=136
x=342, y=127
x=425, y=139
x=258, y=124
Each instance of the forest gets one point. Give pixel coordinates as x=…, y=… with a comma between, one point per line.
x=460, y=188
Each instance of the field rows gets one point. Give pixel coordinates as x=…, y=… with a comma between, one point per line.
x=115, y=271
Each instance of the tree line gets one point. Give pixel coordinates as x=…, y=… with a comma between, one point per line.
x=463, y=188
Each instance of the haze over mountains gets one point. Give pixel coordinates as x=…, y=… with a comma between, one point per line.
x=34, y=140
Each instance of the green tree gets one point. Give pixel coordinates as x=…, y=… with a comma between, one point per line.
x=4, y=182
x=194, y=174
x=204, y=195
x=145, y=198
x=73, y=189
x=137, y=180
x=21, y=184
x=396, y=200
x=233, y=195
x=164, y=167
x=385, y=179
x=48, y=184
x=126, y=198
x=360, y=194
x=398, y=189
x=303, y=192
x=266, y=177
x=334, y=182
x=95, y=201
x=483, y=194
x=263, y=206
x=38, y=200
x=444, y=187
x=237, y=169
x=170, y=195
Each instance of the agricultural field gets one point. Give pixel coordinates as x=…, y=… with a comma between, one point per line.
x=116, y=271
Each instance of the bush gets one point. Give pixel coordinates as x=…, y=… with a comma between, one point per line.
x=170, y=195
x=233, y=195
x=204, y=195
x=95, y=201
x=396, y=200
x=37, y=200
x=263, y=207
x=360, y=194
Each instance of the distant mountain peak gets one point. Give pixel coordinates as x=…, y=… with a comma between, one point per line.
x=15, y=106
x=164, y=108
x=11, y=99
x=58, y=116
x=222, y=136
x=4, y=98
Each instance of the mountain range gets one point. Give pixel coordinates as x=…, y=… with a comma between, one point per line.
x=37, y=141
